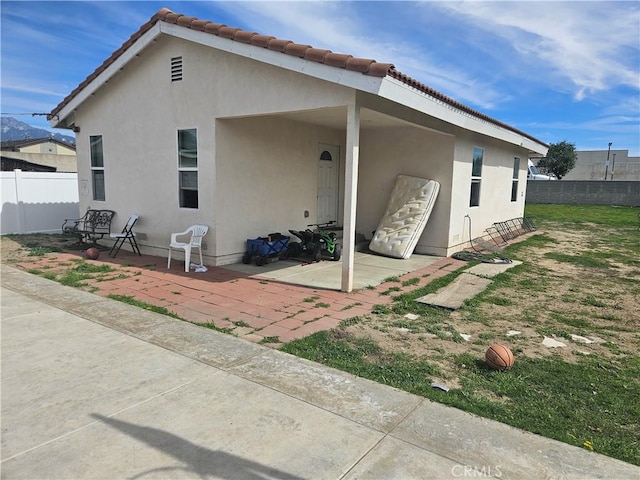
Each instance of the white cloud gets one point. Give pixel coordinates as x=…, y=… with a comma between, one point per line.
x=627, y=106
x=581, y=56
x=340, y=27
x=17, y=103
x=30, y=88
x=593, y=45
x=598, y=130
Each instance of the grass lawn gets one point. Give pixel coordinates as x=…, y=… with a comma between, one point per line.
x=579, y=280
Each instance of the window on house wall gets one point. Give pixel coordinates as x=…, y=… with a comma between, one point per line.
x=514, y=180
x=188, y=168
x=476, y=174
x=97, y=167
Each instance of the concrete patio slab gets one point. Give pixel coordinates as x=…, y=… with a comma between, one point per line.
x=490, y=270
x=467, y=285
x=369, y=269
x=452, y=296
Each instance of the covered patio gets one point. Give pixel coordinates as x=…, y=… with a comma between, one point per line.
x=369, y=270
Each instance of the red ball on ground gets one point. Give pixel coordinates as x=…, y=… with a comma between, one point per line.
x=499, y=357
x=92, y=253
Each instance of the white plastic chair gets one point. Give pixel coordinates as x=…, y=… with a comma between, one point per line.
x=196, y=233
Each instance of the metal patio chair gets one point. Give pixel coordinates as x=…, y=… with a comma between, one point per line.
x=126, y=234
x=195, y=233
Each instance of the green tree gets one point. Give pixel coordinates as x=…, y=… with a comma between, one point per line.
x=560, y=158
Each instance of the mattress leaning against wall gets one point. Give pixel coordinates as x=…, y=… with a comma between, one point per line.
x=407, y=213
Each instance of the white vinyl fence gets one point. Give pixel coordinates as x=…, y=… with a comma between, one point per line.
x=37, y=201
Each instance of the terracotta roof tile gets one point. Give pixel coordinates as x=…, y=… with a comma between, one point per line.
x=228, y=32
x=337, y=59
x=316, y=54
x=214, y=28
x=454, y=103
x=327, y=57
x=359, y=64
x=171, y=17
x=278, y=44
x=378, y=69
x=296, y=49
x=199, y=25
x=244, y=36
x=261, y=40
x=185, y=21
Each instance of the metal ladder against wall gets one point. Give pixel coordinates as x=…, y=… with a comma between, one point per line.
x=510, y=229
x=496, y=237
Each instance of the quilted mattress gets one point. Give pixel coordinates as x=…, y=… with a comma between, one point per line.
x=408, y=211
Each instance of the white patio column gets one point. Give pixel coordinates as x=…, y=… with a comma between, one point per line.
x=350, y=194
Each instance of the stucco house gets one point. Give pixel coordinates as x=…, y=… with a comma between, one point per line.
x=191, y=121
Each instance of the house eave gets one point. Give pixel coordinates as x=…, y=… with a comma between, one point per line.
x=403, y=94
x=386, y=87
x=339, y=76
x=395, y=86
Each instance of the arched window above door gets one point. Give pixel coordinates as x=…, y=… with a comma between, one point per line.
x=326, y=156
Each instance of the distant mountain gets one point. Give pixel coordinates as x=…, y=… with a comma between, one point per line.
x=12, y=129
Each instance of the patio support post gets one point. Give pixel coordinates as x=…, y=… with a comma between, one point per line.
x=350, y=194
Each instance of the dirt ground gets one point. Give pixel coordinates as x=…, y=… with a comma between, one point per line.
x=592, y=310
x=14, y=248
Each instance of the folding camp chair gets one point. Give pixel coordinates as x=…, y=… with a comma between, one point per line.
x=126, y=234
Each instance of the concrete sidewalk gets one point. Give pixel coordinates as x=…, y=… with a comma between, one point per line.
x=96, y=389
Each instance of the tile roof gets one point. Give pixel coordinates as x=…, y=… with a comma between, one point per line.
x=9, y=164
x=14, y=145
x=365, y=66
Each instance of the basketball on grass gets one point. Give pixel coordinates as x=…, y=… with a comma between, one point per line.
x=499, y=357
x=92, y=253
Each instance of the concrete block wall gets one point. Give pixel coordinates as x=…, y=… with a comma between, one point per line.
x=584, y=192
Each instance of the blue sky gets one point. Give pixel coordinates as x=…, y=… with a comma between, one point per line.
x=556, y=70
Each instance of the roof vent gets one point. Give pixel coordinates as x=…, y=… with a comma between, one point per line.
x=176, y=69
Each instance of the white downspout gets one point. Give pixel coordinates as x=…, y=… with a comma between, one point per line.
x=350, y=194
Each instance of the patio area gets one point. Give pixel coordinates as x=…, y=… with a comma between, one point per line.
x=370, y=270
x=270, y=304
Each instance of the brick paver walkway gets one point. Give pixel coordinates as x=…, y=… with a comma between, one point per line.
x=257, y=309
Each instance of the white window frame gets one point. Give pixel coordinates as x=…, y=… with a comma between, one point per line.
x=476, y=177
x=183, y=202
x=99, y=193
x=515, y=179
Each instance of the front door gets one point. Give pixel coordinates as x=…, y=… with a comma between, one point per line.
x=328, y=168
